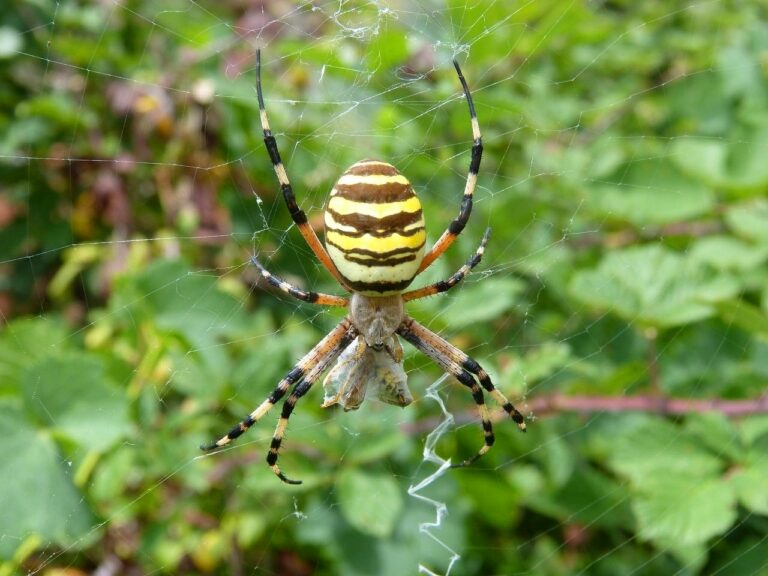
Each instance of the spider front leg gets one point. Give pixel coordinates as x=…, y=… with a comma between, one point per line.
x=455, y=228
x=311, y=297
x=297, y=214
x=306, y=371
x=465, y=370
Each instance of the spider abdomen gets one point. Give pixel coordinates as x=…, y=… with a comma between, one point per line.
x=374, y=228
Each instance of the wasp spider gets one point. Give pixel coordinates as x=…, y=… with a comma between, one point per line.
x=375, y=246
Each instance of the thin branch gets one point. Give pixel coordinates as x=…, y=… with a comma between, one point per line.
x=558, y=403
x=660, y=405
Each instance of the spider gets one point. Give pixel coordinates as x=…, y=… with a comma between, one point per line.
x=374, y=247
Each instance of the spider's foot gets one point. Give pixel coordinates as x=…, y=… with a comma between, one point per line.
x=283, y=477
x=467, y=462
x=473, y=459
x=212, y=445
x=516, y=416
x=233, y=434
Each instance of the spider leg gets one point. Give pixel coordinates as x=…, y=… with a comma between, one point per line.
x=298, y=215
x=308, y=369
x=465, y=210
x=311, y=297
x=288, y=406
x=458, y=276
x=465, y=370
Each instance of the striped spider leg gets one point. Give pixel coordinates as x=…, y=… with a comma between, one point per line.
x=465, y=370
x=298, y=293
x=303, y=375
x=458, y=224
x=298, y=215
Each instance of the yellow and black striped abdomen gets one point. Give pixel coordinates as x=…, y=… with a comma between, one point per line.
x=374, y=228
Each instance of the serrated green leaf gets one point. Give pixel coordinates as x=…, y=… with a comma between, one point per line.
x=70, y=395
x=754, y=427
x=683, y=508
x=715, y=431
x=479, y=302
x=655, y=447
x=38, y=496
x=538, y=364
x=369, y=502
x=654, y=286
x=735, y=164
x=558, y=460
x=728, y=253
x=749, y=220
x=652, y=191
x=749, y=482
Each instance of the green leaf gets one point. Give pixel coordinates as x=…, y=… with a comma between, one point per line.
x=378, y=443
x=744, y=315
x=369, y=502
x=754, y=427
x=735, y=164
x=589, y=497
x=538, y=364
x=655, y=447
x=481, y=302
x=652, y=191
x=728, y=253
x=683, y=508
x=484, y=488
x=71, y=396
x=654, y=286
x=391, y=48
x=749, y=220
x=38, y=496
x=23, y=342
x=749, y=482
x=715, y=431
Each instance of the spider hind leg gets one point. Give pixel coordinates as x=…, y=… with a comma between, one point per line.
x=468, y=372
x=305, y=373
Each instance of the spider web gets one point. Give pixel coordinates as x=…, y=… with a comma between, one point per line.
x=344, y=81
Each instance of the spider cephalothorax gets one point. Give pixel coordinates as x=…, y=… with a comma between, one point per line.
x=375, y=246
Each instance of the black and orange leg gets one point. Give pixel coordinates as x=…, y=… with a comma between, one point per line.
x=311, y=297
x=465, y=370
x=314, y=362
x=298, y=215
x=458, y=276
x=465, y=210
x=290, y=403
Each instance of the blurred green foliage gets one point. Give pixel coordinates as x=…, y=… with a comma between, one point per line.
x=625, y=179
